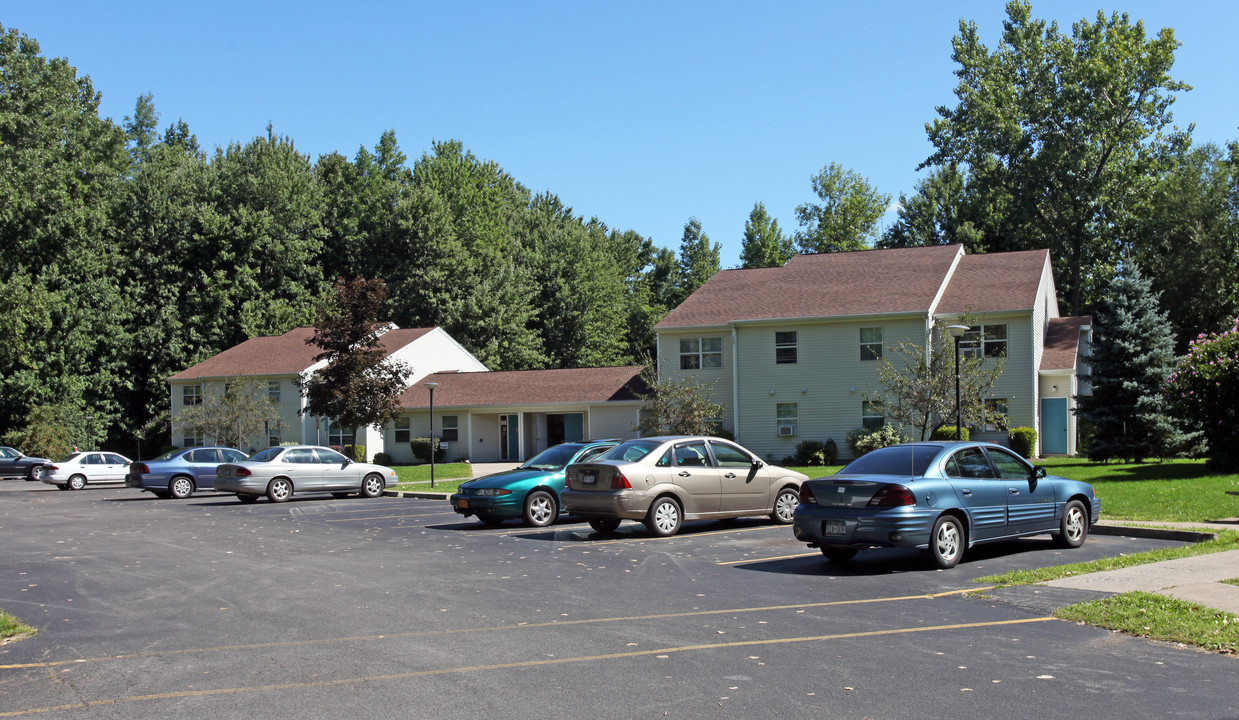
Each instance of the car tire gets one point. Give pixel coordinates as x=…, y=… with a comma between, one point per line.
x=664, y=517
x=604, y=525
x=372, y=486
x=180, y=487
x=785, y=506
x=279, y=490
x=247, y=498
x=1073, y=528
x=946, y=542
x=76, y=482
x=489, y=520
x=36, y=471
x=839, y=555
x=541, y=509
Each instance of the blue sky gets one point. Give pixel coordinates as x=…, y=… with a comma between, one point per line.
x=642, y=114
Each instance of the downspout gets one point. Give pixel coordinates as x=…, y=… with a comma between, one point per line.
x=735, y=382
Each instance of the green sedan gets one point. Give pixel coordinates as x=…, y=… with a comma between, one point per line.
x=530, y=491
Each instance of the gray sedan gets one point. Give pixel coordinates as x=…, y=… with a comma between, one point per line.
x=279, y=472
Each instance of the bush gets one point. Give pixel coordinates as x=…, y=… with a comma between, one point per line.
x=1203, y=391
x=947, y=432
x=356, y=453
x=1023, y=440
x=383, y=458
x=832, y=451
x=723, y=433
x=812, y=453
x=863, y=440
x=421, y=449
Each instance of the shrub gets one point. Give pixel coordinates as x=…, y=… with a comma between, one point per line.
x=832, y=451
x=356, y=453
x=947, y=432
x=1023, y=440
x=809, y=452
x=421, y=449
x=1204, y=390
x=383, y=458
x=863, y=440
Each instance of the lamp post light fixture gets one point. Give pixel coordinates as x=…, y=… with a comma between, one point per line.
x=432, y=386
x=957, y=332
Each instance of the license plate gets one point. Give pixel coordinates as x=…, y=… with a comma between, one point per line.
x=834, y=527
x=462, y=503
x=589, y=478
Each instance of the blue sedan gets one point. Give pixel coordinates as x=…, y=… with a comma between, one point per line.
x=940, y=498
x=179, y=473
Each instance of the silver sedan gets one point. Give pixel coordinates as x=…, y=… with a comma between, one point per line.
x=279, y=472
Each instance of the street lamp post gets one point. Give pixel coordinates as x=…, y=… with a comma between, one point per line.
x=432, y=386
x=957, y=332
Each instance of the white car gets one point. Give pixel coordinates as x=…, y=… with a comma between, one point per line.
x=85, y=468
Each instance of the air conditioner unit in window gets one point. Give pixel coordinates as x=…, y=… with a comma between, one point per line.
x=787, y=430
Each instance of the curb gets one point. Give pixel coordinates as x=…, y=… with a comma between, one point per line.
x=1191, y=536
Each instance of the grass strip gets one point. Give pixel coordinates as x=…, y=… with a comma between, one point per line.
x=1158, y=617
x=12, y=629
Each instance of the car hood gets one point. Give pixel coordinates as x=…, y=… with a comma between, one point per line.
x=508, y=477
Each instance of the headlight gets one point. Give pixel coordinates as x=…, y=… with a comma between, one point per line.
x=491, y=491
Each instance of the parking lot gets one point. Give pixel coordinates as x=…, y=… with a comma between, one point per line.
x=397, y=607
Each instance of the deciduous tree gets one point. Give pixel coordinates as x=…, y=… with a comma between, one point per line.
x=847, y=216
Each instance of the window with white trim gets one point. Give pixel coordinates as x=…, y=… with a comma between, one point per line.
x=786, y=417
x=191, y=395
x=871, y=343
x=450, y=424
x=402, y=432
x=193, y=438
x=999, y=406
x=871, y=416
x=785, y=347
x=984, y=341
x=701, y=353
x=273, y=390
x=340, y=436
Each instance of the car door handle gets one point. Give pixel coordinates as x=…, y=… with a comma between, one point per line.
x=730, y=475
x=685, y=473
x=966, y=492
x=1013, y=491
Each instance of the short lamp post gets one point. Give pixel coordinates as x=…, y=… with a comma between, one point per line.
x=432, y=386
x=957, y=332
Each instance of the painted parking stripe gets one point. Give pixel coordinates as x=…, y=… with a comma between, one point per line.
x=769, y=559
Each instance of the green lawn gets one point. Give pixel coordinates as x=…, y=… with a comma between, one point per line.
x=12, y=628
x=448, y=476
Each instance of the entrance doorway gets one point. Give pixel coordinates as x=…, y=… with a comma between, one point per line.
x=509, y=437
x=562, y=428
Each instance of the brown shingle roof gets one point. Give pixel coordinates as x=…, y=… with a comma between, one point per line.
x=813, y=286
x=1062, y=342
x=527, y=387
x=286, y=354
x=995, y=282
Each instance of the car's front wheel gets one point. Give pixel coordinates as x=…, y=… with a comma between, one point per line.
x=77, y=482
x=946, y=544
x=785, y=506
x=1073, y=529
x=372, y=485
x=541, y=509
x=279, y=490
x=180, y=487
x=664, y=517
x=34, y=474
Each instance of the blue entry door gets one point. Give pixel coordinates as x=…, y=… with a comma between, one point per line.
x=1054, y=426
x=509, y=437
x=574, y=427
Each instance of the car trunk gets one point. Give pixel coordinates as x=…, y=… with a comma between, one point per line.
x=854, y=492
x=590, y=476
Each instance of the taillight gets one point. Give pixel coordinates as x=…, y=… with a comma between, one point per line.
x=619, y=482
x=891, y=496
x=52, y=468
x=806, y=495
x=141, y=468
x=243, y=472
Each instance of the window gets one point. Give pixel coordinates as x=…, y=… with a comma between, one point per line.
x=402, y=429
x=272, y=441
x=871, y=343
x=191, y=395
x=984, y=341
x=338, y=435
x=208, y=456
x=273, y=391
x=193, y=438
x=451, y=428
x=232, y=456
x=715, y=424
x=1010, y=466
x=785, y=347
x=691, y=455
x=730, y=456
x=300, y=456
x=997, y=406
x=786, y=416
x=871, y=417
x=698, y=353
x=969, y=463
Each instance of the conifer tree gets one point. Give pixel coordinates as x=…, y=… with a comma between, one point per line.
x=1132, y=355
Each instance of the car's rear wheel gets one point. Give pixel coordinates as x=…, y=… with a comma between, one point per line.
x=279, y=490
x=663, y=518
x=489, y=520
x=839, y=555
x=180, y=487
x=372, y=485
x=247, y=498
x=77, y=482
x=946, y=544
x=35, y=472
x=541, y=509
x=1073, y=529
x=785, y=506
x=604, y=525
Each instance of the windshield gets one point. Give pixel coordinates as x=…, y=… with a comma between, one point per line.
x=554, y=458
x=267, y=455
x=632, y=450
x=895, y=460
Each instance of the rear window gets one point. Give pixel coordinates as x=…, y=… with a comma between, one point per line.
x=894, y=460
x=267, y=455
x=631, y=451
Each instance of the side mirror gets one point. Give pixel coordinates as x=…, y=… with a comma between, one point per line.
x=1038, y=472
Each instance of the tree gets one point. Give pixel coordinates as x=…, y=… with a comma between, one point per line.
x=764, y=244
x=698, y=262
x=1203, y=391
x=1066, y=129
x=242, y=412
x=940, y=213
x=918, y=384
x=358, y=386
x=1132, y=356
x=680, y=406
x=847, y=217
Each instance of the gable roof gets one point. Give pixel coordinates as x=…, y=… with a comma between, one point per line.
x=994, y=282
x=866, y=282
x=1062, y=342
x=528, y=387
x=286, y=354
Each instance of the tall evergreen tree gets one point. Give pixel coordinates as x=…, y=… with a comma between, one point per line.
x=1132, y=355
x=699, y=260
x=764, y=244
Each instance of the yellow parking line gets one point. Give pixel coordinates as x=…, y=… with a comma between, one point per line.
x=522, y=664
x=781, y=557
